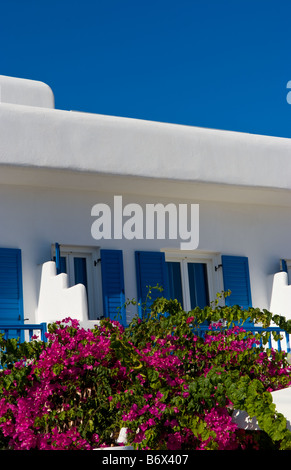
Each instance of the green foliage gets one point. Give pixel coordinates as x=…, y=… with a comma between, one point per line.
x=241, y=377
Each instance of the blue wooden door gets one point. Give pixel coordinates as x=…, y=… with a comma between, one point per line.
x=236, y=278
x=11, y=292
x=150, y=270
x=113, y=285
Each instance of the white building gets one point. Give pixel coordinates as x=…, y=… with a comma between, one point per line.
x=55, y=166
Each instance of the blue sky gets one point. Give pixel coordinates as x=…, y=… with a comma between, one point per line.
x=220, y=64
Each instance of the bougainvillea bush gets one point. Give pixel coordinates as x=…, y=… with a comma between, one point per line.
x=171, y=384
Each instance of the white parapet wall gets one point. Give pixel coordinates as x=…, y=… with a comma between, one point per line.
x=57, y=300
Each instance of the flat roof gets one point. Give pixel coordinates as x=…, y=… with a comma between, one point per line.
x=91, y=145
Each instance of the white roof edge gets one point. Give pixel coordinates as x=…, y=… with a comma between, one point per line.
x=93, y=143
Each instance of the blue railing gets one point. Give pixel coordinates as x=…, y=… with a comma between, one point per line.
x=19, y=331
x=278, y=331
x=12, y=330
x=259, y=329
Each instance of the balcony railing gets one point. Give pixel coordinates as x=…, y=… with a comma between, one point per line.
x=24, y=332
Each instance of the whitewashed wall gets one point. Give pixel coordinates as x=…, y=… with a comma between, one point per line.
x=34, y=218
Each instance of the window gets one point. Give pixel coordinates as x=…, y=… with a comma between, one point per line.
x=188, y=283
x=191, y=279
x=82, y=265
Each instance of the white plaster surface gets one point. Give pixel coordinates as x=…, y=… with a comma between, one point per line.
x=20, y=91
x=33, y=218
x=57, y=300
x=39, y=137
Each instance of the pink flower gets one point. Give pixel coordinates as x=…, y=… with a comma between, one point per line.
x=151, y=422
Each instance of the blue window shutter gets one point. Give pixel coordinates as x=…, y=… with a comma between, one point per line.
x=113, y=285
x=150, y=270
x=58, y=258
x=237, y=279
x=11, y=291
